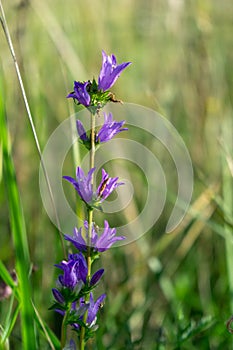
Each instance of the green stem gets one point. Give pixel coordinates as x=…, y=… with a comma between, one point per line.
x=64, y=328
x=90, y=222
x=89, y=262
x=92, y=153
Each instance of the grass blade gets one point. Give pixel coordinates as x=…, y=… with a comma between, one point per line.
x=19, y=236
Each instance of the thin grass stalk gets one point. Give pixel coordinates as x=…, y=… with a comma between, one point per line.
x=49, y=335
x=10, y=323
x=19, y=238
x=12, y=51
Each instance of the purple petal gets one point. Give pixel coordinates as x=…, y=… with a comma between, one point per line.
x=96, y=277
x=58, y=296
x=61, y=312
x=81, y=130
x=109, y=129
x=94, y=307
x=80, y=93
x=94, y=236
x=107, y=185
x=110, y=71
x=71, y=180
x=103, y=181
x=85, y=187
x=77, y=240
x=83, y=184
x=82, y=269
x=108, y=238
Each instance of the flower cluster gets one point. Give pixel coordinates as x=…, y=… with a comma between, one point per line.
x=83, y=185
x=73, y=295
x=72, y=285
x=99, y=243
x=94, y=96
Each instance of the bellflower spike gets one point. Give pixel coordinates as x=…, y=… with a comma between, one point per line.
x=110, y=71
x=80, y=93
x=109, y=129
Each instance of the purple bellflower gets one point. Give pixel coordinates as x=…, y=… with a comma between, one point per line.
x=74, y=277
x=106, y=239
x=110, y=71
x=94, y=96
x=77, y=240
x=80, y=93
x=96, y=277
x=83, y=185
x=81, y=131
x=93, y=308
x=58, y=296
x=98, y=243
x=107, y=186
x=74, y=271
x=109, y=129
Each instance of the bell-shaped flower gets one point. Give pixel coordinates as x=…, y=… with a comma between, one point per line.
x=74, y=271
x=81, y=131
x=83, y=185
x=110, y=71
x=99, y=242
x=96, y=277
x=107, y=186
x=109, y=129
x=106, y=239
x=58, y=296
x=93, y=308
x=80, y=93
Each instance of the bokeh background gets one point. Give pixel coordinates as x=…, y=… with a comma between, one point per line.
x=165, y=291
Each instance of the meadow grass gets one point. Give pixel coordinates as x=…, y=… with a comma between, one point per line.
x=165, y=291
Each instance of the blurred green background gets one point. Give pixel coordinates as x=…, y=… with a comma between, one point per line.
x=164, y=291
